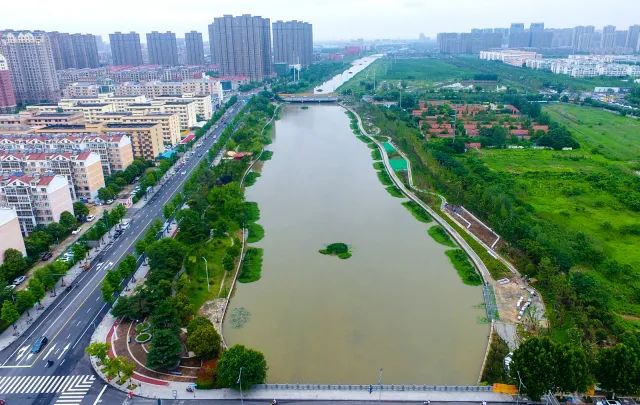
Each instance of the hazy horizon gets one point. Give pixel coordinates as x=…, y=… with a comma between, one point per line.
x=332, y=20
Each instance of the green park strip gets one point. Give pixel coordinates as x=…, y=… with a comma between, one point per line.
x=251, y=179
x=338, y=249
x=256, y=232
x=266, y=155
x=463, y=266
x=417, y=211
x=375, y=155
x=378, y=166
x=384, y=178
x=251, y=269
x=394, y=191
x=441, y=236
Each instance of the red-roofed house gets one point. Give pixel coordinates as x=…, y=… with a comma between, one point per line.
x=521, y=134
x=543, y=128
x=473, y=145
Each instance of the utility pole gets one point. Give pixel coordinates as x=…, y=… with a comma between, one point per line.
x=240, y=382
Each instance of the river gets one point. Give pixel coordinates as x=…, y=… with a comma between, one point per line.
x=397, y=304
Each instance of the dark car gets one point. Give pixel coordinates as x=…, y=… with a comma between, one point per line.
x=39, y=344
x=46, y=256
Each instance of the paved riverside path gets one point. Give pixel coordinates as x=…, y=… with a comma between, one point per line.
x=479, y=264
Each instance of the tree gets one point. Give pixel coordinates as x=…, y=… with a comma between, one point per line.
x=68, y=220
x=618, y=369
x=127, y=367
x=37, y=242
x=24, y=300
x=573, y=369
x=167, y=254
x=253, y=363
x=108, y=290
x=196, y=323
x=165, y=350
x=9, y=313
x=81, y=210
x=536, y=362
x=99, y=350
x=14, y=264
x=36, y=288
x=204, y=342
x=165, y=316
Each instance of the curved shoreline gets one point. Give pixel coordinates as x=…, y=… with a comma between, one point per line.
x=475, y=259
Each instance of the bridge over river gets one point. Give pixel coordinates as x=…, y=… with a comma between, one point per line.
x=309, y=97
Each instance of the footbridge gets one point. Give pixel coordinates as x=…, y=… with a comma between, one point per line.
x=309, y=98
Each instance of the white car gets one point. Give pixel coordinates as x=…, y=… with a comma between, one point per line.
x=90, y=218
x=76, y=231
x=19, y=280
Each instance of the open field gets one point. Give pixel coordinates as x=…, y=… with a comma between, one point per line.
x=595, y=129
x=427, y=72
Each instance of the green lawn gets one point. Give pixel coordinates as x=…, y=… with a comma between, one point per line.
x=556, y=186
x=196, y=287
x=612, y=135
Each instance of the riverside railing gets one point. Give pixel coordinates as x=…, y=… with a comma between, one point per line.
x=374, y=387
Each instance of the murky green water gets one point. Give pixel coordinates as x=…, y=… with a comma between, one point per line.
x=397, y=304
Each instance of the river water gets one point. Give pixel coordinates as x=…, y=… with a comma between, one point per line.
x=396, y=304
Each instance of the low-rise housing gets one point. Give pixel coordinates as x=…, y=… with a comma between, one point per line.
x=146, y=139
x=82, y=170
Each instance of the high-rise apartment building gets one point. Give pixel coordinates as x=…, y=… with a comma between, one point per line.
x=195, y=48
x=126, y=48
x=584, y=38
x=30, y=60
x=633, y=38
x=241, y=46
x=73, y=51
x=518, y=36
x=7, y=95
x=162, y=48
x=293, y=42
x=38, y=200
x=608, y=37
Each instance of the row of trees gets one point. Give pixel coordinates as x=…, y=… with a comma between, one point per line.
x=118, y=180
x=541, y=365
x=119, y=366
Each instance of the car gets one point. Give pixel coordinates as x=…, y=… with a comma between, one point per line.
x=46, y=256
x=39, y=344
x=76, y=231
x=109, y=201
x=184, y=172
x=10, y=287
x=48, y=364
x=19, y=280
x=90, y=218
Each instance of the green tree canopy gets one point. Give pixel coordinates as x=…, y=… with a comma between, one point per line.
x=165, y=350
x=9, y=313
x=204, y=342
x=253, y=363
x=618, y=369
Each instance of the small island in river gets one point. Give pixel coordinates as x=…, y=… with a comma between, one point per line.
x=337, y=249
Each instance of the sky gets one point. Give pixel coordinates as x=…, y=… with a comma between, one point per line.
x=331, y=19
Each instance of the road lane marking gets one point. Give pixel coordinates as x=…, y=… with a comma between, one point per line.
x=104, y=387
x=64, y=350
x=50, y=350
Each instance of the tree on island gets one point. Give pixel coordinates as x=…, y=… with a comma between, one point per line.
x=337, y=249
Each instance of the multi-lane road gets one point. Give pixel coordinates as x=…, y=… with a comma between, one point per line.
x=70, y=320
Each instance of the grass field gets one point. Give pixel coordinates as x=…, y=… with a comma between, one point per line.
x=604, y=132
x=560, y=188
x=196, y=287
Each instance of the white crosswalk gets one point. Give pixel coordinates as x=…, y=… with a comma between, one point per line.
x=67, y=385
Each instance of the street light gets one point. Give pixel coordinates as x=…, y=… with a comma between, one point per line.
x=206, y=267
x=240, y=382
x=380, y=384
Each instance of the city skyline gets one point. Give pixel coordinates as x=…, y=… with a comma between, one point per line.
x=332, y=19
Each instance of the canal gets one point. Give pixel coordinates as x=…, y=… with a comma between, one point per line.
x=396, y=304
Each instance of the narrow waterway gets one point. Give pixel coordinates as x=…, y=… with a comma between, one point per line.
x=397, y=304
